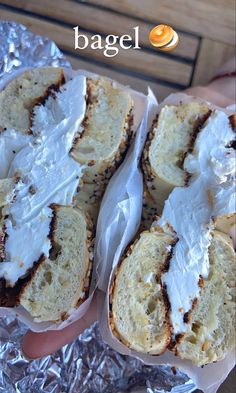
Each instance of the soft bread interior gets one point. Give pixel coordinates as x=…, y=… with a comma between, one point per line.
x=212, y=332
x=88, y=199
x=138, y=306
x=60, y=281
x=104, y=140
x=106, y=129
x=168, y=142
x=23, y=93
x=225, y=223
x=173, y=134
x=6, y=192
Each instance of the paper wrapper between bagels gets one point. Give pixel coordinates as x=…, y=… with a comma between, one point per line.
x=119, y=219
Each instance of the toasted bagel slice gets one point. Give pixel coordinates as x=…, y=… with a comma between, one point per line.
x=139, y=307
x=212, y=321
x=57, y=284
x=171, y=137
x=105, y=139
x=107, y=131
x=19, y=97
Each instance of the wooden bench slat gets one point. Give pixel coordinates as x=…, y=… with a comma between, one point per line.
x=100, y=21
x=159, y=90
x=210, y=19
x=139, y=61
x=214, y=53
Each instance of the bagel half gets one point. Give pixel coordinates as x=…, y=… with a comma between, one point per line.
x=139, y=306
x=19, y=97
x=140, y=310
x=104, y=141
x=211, y=334
x=171, y=137
x=57, y=284
x=107, y=126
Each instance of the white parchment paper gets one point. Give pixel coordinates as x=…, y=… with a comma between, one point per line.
x=118, y=221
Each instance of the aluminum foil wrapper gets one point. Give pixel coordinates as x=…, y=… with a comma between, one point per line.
x=21, y=48
x=87, y=364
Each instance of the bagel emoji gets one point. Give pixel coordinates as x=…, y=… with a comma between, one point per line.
x=163, y=37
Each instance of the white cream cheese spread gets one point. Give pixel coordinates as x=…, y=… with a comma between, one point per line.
x=46, y=174
x=190, y=210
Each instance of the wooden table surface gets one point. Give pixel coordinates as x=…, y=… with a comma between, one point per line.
x=206, y=30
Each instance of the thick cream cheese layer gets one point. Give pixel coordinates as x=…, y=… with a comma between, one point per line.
x=189, y=210
x=47, y=174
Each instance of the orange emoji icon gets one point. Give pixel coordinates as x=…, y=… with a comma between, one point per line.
x=163, y=37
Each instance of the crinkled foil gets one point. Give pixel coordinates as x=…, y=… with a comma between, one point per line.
x=19, y=47
x=87, y=365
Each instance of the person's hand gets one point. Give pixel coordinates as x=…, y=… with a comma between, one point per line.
x=35, y=345
x=212, y=93
x=220, y=92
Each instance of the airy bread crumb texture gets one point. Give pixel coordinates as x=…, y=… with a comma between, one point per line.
x=60, y=281
x=6, y=192
x=138, y=307
x=171, y=137
x=106, y=129
x=104, y=141
x=225, y=222
x=23, y=93
x=213, y=319
x=88, y=200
